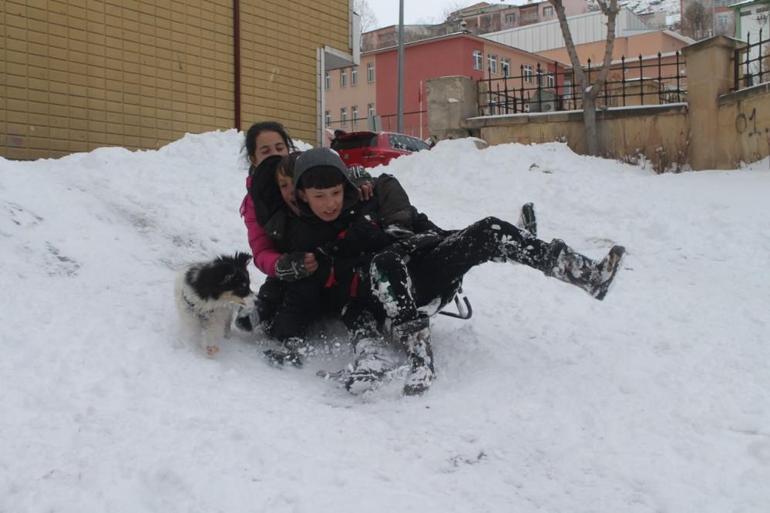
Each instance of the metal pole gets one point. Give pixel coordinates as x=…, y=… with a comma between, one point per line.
x=400, y=107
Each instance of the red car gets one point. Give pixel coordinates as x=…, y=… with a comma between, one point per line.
x=370, y=149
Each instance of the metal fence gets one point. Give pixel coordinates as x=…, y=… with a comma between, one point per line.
x=657, y=80
x=751, y=64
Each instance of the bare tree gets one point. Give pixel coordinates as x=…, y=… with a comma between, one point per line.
x=589, y=91
x=368, y=18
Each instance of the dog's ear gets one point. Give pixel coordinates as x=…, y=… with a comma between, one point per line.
x=242, y=258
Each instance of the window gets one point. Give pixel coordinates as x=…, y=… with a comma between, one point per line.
x=343, y=77
x=343, y=114
x=510, y=18
x=527, y=72
x=354, y=112
x=370, y=72
x=370, y=110
x=477, y=59
x=547, y=11
x=354, y=76
x=505, y=65
x=328, y=80
x=492, y=63
x=405, y=142
x=327, y=118
x=550, y=80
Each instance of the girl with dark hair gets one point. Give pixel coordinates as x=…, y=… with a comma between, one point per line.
x=263, y=140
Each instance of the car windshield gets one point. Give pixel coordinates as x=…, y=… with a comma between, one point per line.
x=405, y=142
x=357, y=141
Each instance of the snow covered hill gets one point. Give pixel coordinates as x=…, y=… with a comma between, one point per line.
x=655, y=400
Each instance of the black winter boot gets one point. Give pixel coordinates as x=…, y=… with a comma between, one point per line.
x=415, y=337
x=290, y=354
x=568, y=266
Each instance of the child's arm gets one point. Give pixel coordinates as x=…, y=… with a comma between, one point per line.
x=262, y=248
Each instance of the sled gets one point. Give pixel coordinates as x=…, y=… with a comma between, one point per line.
x=464, y=310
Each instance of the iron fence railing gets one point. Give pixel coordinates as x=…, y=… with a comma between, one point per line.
x=642, y=81
x=751, y=63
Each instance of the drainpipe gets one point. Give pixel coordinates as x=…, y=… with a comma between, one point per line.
x=237, y=63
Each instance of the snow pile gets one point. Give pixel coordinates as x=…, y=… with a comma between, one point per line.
x=546, y=400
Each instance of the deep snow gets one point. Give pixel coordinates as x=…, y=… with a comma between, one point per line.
x=655, y=400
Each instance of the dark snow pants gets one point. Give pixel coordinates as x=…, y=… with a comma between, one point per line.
x=399, y=284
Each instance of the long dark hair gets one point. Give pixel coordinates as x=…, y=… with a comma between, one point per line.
x=265, y=126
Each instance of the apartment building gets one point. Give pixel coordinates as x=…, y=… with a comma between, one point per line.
x=80, y=74
x=484, y=17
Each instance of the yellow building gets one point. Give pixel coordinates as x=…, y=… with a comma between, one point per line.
x=79, y=74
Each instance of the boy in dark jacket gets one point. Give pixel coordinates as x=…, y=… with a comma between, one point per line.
x=383, y=260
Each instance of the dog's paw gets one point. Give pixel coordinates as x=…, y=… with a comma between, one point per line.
x=211, y=351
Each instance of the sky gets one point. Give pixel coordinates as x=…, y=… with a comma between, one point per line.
x=417, y=11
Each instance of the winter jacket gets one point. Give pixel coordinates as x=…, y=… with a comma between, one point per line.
x=262, y=247
x=345, y=246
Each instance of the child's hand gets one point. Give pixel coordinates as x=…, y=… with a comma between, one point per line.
x=311, y=264
x=292, y=267
x=365, y=191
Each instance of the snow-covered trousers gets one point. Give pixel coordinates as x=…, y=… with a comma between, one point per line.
x=400, y=284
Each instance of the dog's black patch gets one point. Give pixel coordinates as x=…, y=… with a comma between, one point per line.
x=225, y=274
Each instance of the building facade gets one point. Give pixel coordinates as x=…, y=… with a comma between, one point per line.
x=375, y=93
x=80, y=74
x=484, y=17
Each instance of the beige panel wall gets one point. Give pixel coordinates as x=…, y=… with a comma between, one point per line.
x=80, y=74
x=278, y=58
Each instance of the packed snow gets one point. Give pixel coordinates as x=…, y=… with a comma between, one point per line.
x=655, y=400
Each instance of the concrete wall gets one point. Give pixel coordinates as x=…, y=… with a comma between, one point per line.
x=744, y=126
x=660, y=133
x=79, y=74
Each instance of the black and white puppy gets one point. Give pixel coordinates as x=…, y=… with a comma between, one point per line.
x=206, y=297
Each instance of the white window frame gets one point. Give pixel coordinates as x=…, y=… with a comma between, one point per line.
x=370, y=110
x=370, y=76
x=547, y=11
x=353, y=76
x=343, y=78
x=354, y=113
x=492, y=64
x=478, y=60
x=505, y=67
x=327, y=118
x=527, y=73
x=328, y=80
x=343, y=115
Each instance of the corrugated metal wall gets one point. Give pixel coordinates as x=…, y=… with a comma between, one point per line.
x=585, y=28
